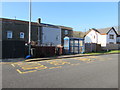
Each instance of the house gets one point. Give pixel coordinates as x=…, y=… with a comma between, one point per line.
x=14, y=36
x=118, y=39
x=102, y=36
x=118, y=36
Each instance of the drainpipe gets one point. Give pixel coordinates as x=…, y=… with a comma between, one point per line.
x=39, y=32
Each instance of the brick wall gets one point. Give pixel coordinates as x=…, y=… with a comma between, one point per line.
x=16, y=28
x=43, y=51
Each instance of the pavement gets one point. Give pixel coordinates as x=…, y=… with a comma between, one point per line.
x=11, y=60
x=66, y=56
x=75, y=72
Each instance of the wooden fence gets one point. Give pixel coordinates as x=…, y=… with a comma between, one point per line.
x=92, y=47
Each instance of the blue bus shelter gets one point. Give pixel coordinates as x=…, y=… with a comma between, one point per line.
x=73, y=45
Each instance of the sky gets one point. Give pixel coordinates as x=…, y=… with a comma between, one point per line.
x=81, y=16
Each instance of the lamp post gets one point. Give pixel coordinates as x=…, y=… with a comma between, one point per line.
x=29, y=39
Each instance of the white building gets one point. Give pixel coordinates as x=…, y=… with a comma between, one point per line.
x=118, y=39
x=102, y=36
x=118, y=31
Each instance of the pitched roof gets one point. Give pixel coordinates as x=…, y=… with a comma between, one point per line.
x=117, y=29
x=104, y=30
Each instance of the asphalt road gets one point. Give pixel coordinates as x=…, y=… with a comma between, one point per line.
x=80, y=72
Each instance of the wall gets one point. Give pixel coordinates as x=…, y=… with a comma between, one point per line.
x=51, y=35
x=118, y=39
x=111, y=40
x=16, y=28
x=46, y=51
x=103, y=40
x=91, y=37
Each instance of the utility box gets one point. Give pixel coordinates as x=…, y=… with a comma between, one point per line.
x=73, y=45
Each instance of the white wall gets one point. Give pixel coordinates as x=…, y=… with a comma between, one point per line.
x=118, y=39
x=111, y=40
x=91, y=37
x=103, y=39
x=50, y=35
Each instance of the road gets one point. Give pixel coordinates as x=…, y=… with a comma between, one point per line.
x=79, y=72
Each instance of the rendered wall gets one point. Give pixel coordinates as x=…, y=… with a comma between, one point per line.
x=111, y=40
x=51, y=36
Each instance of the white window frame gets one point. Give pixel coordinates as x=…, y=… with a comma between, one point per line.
x=111, y=36
x=9, y=34
x=22, y=35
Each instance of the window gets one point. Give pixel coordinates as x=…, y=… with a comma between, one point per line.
x=9, y=34
x=76, y=42
x=81, y=43
x=111, y=36
x=21, y=34
x=66, y=32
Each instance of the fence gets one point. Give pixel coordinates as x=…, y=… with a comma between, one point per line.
x=92, y=47
x=44, y=51
x=13, y=49
x=111, y=47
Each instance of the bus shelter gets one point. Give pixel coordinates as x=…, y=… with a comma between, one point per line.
x=73, y=45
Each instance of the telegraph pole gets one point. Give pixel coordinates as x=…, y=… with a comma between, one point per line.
x=29, y=39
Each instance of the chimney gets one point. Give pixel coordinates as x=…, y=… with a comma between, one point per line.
x=39, y=20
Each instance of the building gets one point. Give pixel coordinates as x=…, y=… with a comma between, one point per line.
x=65, y=32
x=118, y=36
x=102, y=36
x=118, y=39
x=15, y=36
